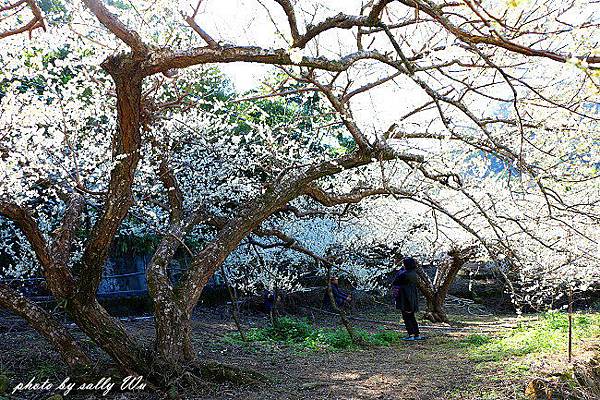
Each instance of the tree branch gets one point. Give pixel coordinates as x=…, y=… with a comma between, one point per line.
x=191, y=21
x=126, y=155
x=174, y=194
x=288, y=8
x=44, y=323
x=355, y=196
x=436, y=12
x=63, y=236
x=286, y=241
x=166, y=59
x=59, y=278
x=37, y=20
x=118, y=28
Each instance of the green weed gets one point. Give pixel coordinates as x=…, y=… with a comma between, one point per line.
x=46, y=369
x=301, y=334
x=545, y=335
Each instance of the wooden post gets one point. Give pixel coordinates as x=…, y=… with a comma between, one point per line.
x=570, y=323
x=570, y=309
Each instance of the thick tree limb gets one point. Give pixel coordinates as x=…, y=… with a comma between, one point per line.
x=40, y=320
x=116, y=26
x=59, y=278
x=166, y=59
x=174, y=194
x=126, y=155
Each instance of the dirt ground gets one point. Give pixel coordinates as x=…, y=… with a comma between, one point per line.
x=432, y=369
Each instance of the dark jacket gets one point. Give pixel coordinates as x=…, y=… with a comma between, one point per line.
x=405, y=290
x=339, y=295
x=269, y=299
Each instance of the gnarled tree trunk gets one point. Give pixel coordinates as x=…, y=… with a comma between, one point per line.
x=40, y=320
x=110, y=335
x=436, y=311
x=435, y=291
x=174, y=334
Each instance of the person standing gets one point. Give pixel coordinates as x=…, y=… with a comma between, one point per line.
x=405, y=294
x=341, y=298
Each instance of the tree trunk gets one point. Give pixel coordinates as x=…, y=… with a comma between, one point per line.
x=234, y=306
x=173, y=334
x=435, y=302
x=110, y=335
x=435, y=292
x=172, y=319
x=347, y=324
x=435, y=309
x=40, y=320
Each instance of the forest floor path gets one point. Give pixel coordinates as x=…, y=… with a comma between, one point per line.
x=479, y=357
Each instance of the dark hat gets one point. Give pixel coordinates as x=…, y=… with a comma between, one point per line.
x=409, y=263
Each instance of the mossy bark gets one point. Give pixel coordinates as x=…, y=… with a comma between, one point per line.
x=40, y=320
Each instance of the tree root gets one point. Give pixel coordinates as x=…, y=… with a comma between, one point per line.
x=582, y=383
x=196, y=376
x=218, y=372
x=539, y=389
x=436, y=317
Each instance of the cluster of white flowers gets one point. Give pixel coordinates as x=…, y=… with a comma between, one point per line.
x=525, y=190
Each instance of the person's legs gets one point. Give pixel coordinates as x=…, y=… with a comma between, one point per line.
x=414, y=324
x=408, y=318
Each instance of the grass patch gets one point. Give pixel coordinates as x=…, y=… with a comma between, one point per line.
x=548, y=334
x=46, y=369
x=300, y=333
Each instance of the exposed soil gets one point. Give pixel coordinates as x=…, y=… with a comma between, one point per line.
x=432, y=369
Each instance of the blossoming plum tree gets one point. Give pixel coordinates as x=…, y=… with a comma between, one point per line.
x=105, y=130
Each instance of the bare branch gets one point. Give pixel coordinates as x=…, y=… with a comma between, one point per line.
x=191, y=21
x=114, y=24
x=435, y=11
x=355, y=196
x=341, y=21
x=288, y=8
x=288, y=242
x=36, y=21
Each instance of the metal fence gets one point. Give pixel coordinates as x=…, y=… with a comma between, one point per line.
x=111, y=286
